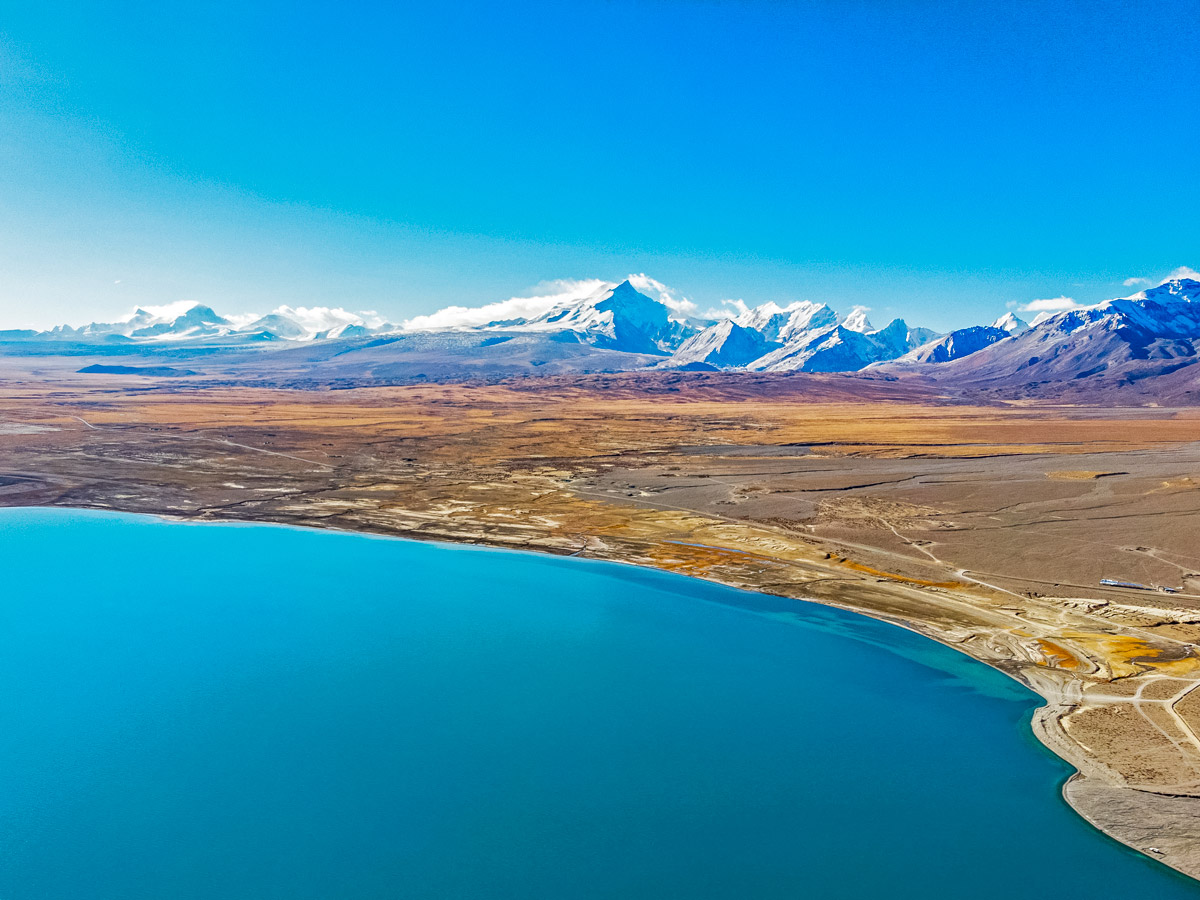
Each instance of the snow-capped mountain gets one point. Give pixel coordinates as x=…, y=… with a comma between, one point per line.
x=779, y=324
x=840, y=348
x=191, y=322
x=801, y=336
x=857, y=321
x=836, y=349
x=280, y=326
x=955, y=345
x=833, y=346
x=194, y=321
x=725, y=345
x=1143, y=346
x=615, y=318
x=350, y=330
x=897, y=338
x=1011, y=323
x=199, y=321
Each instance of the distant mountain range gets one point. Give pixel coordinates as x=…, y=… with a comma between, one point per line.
x=1137, y=347
x=1142, y=348
x=198, y=323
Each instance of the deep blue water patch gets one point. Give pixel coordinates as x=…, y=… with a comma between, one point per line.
x=219, y=711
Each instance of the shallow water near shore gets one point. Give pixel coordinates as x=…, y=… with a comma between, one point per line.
x=204, y=711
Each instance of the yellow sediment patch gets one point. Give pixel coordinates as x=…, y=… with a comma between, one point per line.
x=1188, y=665
x=1079, y=474
x=692, y=560
x=1127, y=655
x=1058, y=656
x=879, y=573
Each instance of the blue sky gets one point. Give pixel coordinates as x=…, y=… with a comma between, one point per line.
x=939, y=160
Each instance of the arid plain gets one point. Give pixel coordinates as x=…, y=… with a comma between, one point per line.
x=986, y=527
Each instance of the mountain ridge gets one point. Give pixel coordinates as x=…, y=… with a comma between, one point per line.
x=1127, y=346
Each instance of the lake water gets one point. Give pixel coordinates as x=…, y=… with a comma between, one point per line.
x=227, y=712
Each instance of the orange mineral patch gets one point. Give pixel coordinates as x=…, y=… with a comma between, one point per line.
x=1058, y=656
x=879, y=573
x=1127, y=655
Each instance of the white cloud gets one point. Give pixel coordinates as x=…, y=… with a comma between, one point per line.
x=1050, y=305
x=241, y=320
x=166, y=312
x=322, y=318
x=312, y=319
x=729, y=309
x=455, y=317
x=665, y=295
x=1182, y=272
x=550, y=294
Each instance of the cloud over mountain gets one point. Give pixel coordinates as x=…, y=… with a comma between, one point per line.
x=1182, y=272
x=1050, y=304
x=557, y=293
x=451, y=318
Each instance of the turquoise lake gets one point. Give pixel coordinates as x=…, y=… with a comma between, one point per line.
x=223, y=712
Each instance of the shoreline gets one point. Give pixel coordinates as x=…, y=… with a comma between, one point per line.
x=1088, y=791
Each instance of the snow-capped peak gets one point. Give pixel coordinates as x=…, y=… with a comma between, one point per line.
x=307, y=323
x=1182, y=288
x=618, y=317
x=807, y=316
x=156, y=315
x=641, y=316
x=1011, y=323
x=857, y=321
x=764, y=317
x=173, y=320
x=782, y=323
